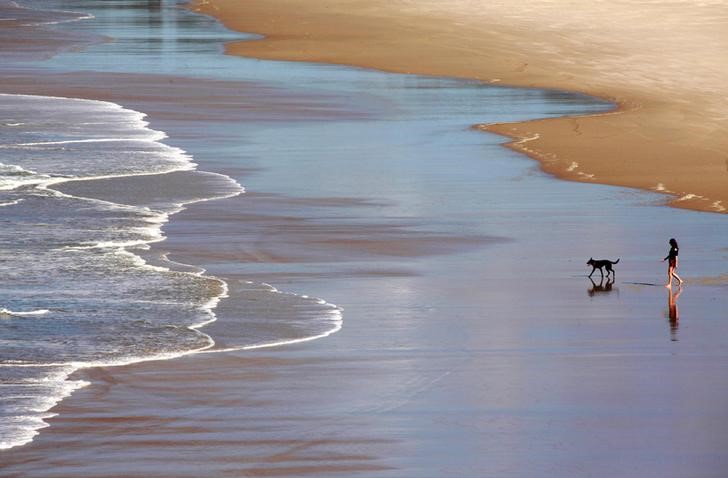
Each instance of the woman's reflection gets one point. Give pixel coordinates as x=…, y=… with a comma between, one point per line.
x=672, y=313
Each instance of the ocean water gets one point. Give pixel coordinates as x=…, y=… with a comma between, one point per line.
x=77, y=290
x=80, y=286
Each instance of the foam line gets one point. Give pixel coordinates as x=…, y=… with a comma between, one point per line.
x=154, y=233
x=4, y=311
x=157, y=137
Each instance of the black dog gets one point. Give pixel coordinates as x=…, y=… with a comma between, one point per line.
x=607, y=264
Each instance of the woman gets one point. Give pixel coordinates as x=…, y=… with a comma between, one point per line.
x=672, y=264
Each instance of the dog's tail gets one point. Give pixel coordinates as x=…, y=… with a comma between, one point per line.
x=615, y=261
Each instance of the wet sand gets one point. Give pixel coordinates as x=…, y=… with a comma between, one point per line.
x=527, y=376
x=466, y=351
x=663, y=65
x=469, y=363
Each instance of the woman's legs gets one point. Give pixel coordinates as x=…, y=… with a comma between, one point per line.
x=674, y=274
x=670, y=274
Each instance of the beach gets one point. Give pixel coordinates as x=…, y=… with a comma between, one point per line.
x=341, y=276
x=662, y=64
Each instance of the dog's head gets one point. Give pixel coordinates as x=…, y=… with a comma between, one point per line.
x=590, y=262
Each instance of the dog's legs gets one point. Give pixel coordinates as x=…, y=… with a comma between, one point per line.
x=592, y=272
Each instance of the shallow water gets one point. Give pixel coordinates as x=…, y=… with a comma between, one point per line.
x=488, y=254
x=74, y=292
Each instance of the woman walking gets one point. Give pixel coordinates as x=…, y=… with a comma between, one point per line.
x=672, y=264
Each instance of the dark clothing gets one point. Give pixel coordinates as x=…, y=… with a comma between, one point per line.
x=672, y=255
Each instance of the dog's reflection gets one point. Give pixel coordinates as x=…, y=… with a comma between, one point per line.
x=672, y=314
x=601, y=288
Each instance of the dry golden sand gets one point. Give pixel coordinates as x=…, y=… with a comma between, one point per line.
x=663, y=63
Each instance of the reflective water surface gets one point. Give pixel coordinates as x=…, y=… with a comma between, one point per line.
x=460, y=267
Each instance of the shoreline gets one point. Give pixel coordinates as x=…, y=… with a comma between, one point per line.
x=651, y=141
x=422, y=361
x=59, y=185
x=82, y=373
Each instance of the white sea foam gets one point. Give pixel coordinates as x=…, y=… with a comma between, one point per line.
x=28, y=424
x=333, y=317
x=689, y=196
x=175, y=159
x=527, y=139
x=30, y=421
x=13, y=177
x=8, y=312
x=58, y=22
x=154, y=137
x=26, y=427
x=74, y=16
x=11, y=203
x=22, y=428
x=336, y=325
